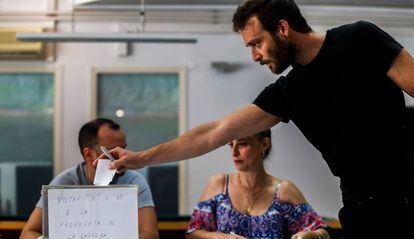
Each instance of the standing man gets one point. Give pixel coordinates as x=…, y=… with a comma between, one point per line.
x=345, y=94
x=92, y=135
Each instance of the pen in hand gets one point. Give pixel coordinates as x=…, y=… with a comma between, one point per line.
x=107, y=153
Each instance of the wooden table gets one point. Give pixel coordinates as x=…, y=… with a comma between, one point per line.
x=167, y=229
x=11, y=229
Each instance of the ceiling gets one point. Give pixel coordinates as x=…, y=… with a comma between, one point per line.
x=217, y=12
x=368, y=3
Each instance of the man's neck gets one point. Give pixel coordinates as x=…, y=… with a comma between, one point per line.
x=308, y=46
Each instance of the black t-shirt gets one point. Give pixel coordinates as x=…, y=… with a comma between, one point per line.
x=347, y=107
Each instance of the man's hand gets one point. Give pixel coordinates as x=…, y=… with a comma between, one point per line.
x=125, y=159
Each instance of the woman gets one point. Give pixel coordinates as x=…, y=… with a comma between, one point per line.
x=250, y=203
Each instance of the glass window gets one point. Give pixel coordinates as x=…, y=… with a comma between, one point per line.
x=147, y=106
x=26, y=139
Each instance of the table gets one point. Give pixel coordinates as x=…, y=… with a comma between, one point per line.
x=167, y=229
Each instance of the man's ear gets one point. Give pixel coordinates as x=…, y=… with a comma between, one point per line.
x=283, y=28
x=88, y=154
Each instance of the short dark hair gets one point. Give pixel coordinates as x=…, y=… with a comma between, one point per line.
x=88, y=134
x=266, y=134
x=269, y=13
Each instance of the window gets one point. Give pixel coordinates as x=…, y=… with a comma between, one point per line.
x=149, y=106
x=27, y=126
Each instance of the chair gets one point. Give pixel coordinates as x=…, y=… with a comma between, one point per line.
x=163, y=181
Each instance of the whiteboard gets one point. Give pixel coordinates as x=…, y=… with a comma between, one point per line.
x=90, y=212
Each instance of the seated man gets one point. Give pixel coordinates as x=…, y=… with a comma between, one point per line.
x=92, y=135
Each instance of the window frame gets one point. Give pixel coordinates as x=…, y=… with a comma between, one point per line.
x=182, y=111
x=57, y=106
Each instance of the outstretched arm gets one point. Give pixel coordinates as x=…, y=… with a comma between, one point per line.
x=198, y=141
x=402, y=72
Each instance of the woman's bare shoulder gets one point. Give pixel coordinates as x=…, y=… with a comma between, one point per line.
x=290, y=193
x=214, y=186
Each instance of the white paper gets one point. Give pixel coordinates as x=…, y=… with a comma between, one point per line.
x=101, y=213
x=103, y=175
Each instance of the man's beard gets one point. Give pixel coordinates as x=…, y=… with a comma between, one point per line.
x=283, y=54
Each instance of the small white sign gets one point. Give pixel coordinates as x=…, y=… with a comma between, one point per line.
x=93, y=213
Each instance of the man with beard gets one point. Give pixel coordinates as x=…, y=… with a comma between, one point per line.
x=329, y=95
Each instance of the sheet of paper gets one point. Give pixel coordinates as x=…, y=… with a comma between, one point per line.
x=93, y=213
x=103, y=175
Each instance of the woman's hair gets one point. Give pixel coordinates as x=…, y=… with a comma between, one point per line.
x=266, y=134
x=269, y=13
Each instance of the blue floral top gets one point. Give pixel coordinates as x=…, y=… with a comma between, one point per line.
x=281, y=220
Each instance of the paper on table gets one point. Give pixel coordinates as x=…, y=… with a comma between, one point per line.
x=103, y=175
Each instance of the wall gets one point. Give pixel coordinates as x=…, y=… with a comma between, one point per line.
x=211, y=94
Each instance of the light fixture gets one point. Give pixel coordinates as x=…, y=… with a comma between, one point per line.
x=120, y=113
x=138, y=36
x=104, y=37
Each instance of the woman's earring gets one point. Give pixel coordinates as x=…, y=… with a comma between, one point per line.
x=263, y=154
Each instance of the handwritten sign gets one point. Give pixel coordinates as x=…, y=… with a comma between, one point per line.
x=90, y=212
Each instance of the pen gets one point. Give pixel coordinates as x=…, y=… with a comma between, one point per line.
x=107, y=153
